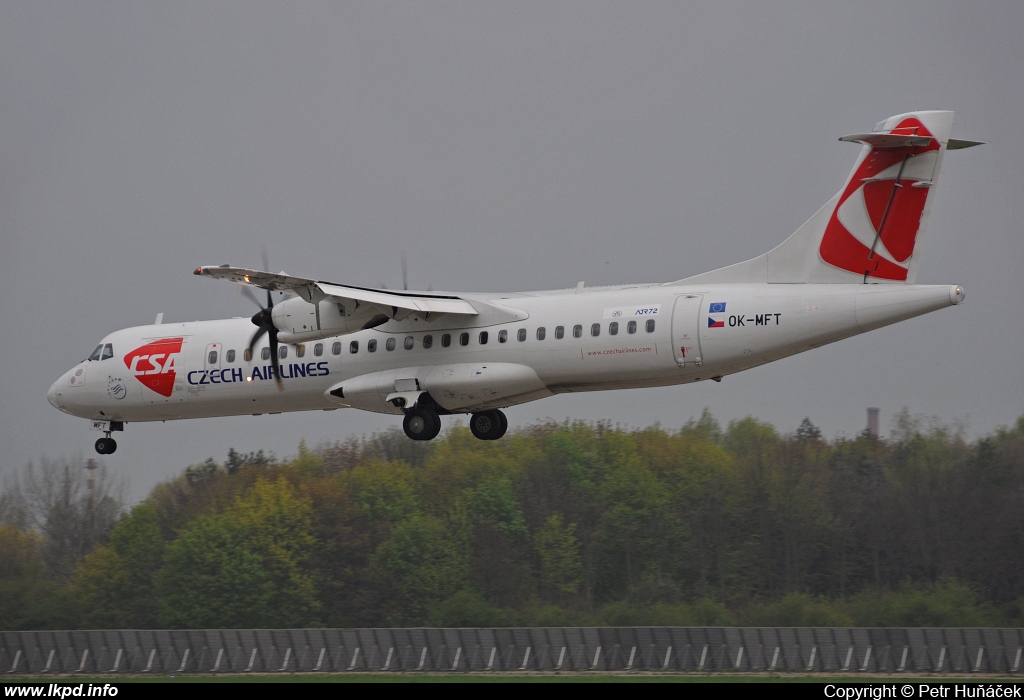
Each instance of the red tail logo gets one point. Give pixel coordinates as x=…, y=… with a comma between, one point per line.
x=153, y=364
x=893, y=211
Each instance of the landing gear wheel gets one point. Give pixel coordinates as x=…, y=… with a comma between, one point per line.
x=106, y=446
x=488, y=425
x=421, y=424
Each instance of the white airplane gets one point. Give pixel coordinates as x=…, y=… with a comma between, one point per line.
x=848, y=270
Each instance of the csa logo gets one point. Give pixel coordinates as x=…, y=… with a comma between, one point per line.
x=153, y=364
x=881, y=202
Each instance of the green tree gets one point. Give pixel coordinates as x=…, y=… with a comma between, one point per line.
x=498, y=540
x=115, y=584
x=425, y=565
x=246, y=567
x=27, y=599
x=638, y=531
x=561, y=566
x=213, y=578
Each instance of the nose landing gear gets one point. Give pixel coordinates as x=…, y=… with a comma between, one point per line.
x=106, y=445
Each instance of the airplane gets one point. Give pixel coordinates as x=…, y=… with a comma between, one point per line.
x=422, y=355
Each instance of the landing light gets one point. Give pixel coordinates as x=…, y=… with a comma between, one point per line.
x=246, y=278
x=248, y=379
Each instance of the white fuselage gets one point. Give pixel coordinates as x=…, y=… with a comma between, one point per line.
x=682, y=333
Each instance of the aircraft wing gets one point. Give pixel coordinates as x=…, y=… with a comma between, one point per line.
x=314, y=291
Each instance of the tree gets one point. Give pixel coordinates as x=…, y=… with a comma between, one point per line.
x=561, y=566
x=808, y=430
x=246, y=567
x=426, y=566
x=638, y=530
x=499, y=542
x=115, y=585
x=212, y=578
x=71, y=515
x=27, y=598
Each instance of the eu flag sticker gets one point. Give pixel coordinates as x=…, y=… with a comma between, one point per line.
x=717, y=307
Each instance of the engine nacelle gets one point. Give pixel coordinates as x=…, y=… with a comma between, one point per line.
x=298, y=321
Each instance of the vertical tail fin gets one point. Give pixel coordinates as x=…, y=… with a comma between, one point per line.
x=869, y=232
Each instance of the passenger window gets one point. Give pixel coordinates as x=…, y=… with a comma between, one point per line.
x=283, y=352
x=446, y=340
x=409, y=342
x=211, y=359
x=108, y=351
x=483, y=337
x=318, y=349
x=371, y=345
x=559, y=332
x=265, y=354
x=300, y=350
x=521, y=335
x=631, y=327
x=336, y=349
x=595, y=330
x=502, y=336
x=577, y=331
x=353, y=347
x=247, y=354
x=650, y=325
x=231, y=356
x=390, y=344
x=96, y=354
x=428, y=342
x=541, y=332
x=613, y=328
x=464, y=339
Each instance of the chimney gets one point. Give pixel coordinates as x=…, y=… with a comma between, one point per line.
x=873, y=421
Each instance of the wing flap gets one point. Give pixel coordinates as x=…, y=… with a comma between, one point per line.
x=413, y=301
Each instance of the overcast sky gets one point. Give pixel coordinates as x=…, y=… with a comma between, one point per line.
x=504, y=146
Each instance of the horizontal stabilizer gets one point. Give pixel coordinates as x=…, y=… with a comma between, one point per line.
x=888, y=140
x=957, y=144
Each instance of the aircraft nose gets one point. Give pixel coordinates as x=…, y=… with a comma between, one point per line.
x=53, y=395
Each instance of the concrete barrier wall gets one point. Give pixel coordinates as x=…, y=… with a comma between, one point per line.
x=709, y=649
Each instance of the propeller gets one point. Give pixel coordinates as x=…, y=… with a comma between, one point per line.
x=264, y=322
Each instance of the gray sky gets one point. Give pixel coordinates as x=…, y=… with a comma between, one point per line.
x=504, y=146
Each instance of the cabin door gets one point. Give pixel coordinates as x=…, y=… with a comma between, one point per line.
x=686, y=330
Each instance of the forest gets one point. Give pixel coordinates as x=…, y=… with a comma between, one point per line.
x=557, y=524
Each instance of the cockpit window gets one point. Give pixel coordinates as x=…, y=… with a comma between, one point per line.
x=108, y=351
x=97, y=353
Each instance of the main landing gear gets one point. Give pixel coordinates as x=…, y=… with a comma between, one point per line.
x=423, y=423
x=488, y=425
